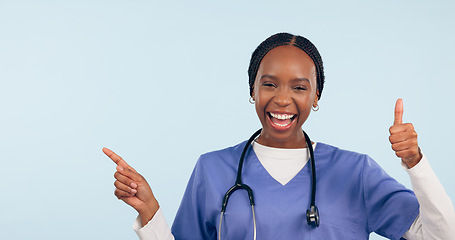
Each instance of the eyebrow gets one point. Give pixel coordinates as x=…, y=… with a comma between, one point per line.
x=301, y=80
x=268, y=76
x=276, y=78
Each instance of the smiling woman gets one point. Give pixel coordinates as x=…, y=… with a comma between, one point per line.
x=355, y=196
x=284, y=92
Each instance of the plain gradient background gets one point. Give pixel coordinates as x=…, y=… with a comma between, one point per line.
x=161, y=82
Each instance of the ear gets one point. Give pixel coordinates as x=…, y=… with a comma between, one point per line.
x=316, y=98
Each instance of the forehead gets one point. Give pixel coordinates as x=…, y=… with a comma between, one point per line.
x=287, y=59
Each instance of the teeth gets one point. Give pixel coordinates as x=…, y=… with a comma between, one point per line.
x=282, y=116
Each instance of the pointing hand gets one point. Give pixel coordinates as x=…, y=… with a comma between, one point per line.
x=133, y=189
x=403, y=138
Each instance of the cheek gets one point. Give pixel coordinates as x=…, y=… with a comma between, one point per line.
x=305, y=105
x=262, y=99
x=260, y=105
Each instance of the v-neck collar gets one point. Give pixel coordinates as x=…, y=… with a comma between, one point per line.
x=264, y=174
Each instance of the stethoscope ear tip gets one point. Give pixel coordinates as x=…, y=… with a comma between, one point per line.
x=312, y=216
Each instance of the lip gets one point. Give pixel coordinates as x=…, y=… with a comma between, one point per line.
x=281, y=127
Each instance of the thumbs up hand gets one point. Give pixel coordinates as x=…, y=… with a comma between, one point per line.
x=403, y=138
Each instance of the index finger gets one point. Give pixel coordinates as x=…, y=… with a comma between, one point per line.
x=116, y=158
x=398, y=112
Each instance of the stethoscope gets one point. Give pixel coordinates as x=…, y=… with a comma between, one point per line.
x=312, y=214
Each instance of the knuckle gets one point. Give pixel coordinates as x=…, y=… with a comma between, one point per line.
x=131, y=171
x=136, y=175
x=141, y=177
x=116, y=175
x=391, y=129
x=394, y=139
x=395, y=129
x=128, y=171
x=128, y=182
x=118, y=185
x=395, y=147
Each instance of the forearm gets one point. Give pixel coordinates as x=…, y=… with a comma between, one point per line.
x=437, y=215
x=155, y=229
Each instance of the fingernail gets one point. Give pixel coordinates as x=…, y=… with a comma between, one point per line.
x=133, y=185
x=120, y=168
x=133, y=191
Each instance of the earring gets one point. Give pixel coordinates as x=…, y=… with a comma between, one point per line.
x=316, y=108
x=251, y=100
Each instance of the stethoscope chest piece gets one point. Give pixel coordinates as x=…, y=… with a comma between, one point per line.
x=312, y=216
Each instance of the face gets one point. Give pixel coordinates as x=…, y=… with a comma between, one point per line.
x=284, y=93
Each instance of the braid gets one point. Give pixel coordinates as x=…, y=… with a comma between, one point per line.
x=281, y=39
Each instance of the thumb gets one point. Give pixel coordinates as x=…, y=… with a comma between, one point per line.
x=398, y=112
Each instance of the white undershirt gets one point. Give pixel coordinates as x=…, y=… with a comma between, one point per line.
x=436, y=220
x=281, y=163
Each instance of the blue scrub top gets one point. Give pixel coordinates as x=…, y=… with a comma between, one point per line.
x=355, y=197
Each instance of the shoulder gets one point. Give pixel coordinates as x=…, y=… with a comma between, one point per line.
x=349, y=163
x=345, y=162
x=229, y=152
x=214, y=168
x=326, y=151
x=227, y=157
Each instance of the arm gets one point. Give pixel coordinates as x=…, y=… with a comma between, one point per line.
x=437, y=216
x=134, y=190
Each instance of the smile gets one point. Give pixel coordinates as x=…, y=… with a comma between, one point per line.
x=281, y=121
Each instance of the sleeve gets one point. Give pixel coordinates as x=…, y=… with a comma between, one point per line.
x=390, y=207
x=437, y=215
x=191, y=221
x=155, y=229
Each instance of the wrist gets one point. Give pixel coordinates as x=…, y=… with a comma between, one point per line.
x=148, y=211
x=414, y=160
x=146, y=215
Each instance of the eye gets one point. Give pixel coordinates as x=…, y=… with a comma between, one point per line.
x=300, y=88
x=268, y=84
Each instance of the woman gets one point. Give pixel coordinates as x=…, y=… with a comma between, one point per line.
x=354, y=195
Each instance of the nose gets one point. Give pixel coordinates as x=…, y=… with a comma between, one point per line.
x=282, y=98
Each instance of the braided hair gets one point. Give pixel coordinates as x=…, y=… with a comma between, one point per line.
x=281, y=39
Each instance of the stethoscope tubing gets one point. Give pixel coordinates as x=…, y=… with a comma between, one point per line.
x=313, y=170
x=312, y=212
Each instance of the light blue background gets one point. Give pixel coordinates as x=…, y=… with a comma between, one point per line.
x=162, y=82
